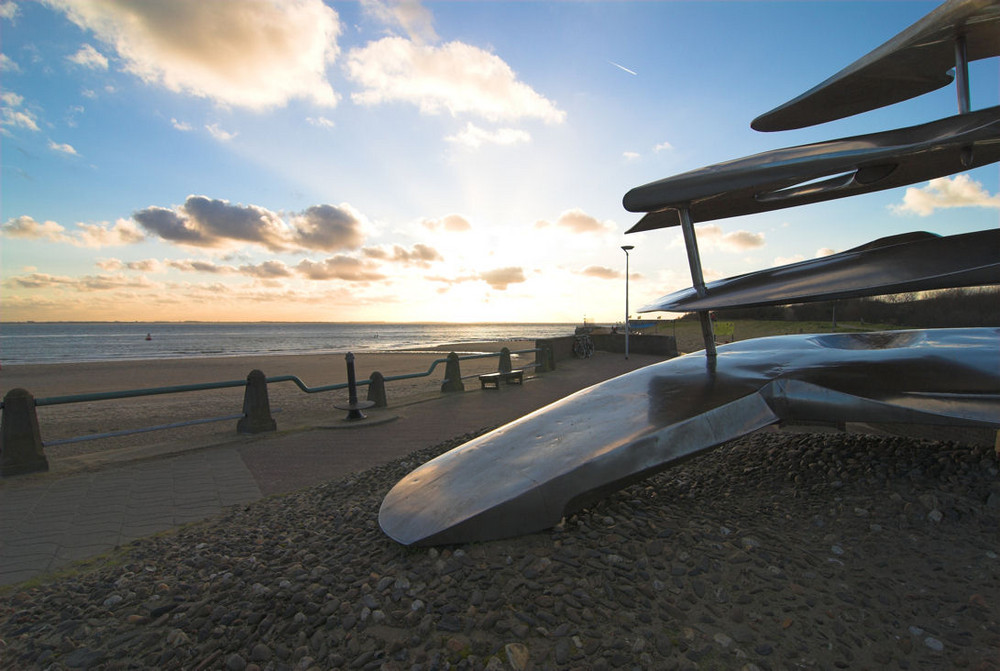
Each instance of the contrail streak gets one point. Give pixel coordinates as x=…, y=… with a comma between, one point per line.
x=622, y=67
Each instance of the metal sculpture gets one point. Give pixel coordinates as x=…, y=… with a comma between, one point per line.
x=527, y=475
x=901, y=263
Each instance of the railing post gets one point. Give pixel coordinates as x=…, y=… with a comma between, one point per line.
x=20, y=440
x=376, y=390
x=256, y=406
x=545, y=360
x=452, y=375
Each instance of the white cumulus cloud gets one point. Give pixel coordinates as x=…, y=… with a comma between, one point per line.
x=62, y=148
x=409, y=15
x=473, y=136
x=578, y=221
x=455, y=77
x=245, y=53
x=735, y=241
x=943, y=193
x=218, y=133
x=12, y=114
x=89, y=57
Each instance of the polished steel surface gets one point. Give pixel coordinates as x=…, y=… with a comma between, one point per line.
x=913, y=262
x=527, y=475
x=914, y=62
x=787, y=177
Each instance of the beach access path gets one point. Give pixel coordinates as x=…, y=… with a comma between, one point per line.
x=91, y=502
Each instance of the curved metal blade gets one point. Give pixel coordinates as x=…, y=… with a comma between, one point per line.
x=914, y=62
x=525, y=476
x=787, y=177
x=919, y=262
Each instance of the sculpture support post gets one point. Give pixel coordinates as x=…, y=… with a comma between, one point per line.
x=962, y=75
x=626, y=248
x=694, y=262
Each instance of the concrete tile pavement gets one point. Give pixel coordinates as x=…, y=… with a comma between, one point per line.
x=53, y=522
x=49, y=521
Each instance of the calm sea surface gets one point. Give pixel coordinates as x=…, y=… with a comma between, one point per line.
x=24, y=343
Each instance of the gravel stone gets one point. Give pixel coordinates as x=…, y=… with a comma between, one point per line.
x=758, y=548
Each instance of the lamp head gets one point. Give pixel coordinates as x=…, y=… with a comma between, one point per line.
x=626, y=248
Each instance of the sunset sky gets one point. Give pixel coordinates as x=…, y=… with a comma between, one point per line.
x=295, y=160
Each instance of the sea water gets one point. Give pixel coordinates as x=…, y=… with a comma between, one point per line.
x=66, y=342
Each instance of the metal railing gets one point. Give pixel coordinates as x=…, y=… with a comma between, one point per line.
x=205, y=386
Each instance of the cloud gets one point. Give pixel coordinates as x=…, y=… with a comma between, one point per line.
x=8, y=65
x=328, y=228
x=267, y=270
x=219, y=134
x=663, y=146
x=420, y=255
x=207, y=222
x=451, y=223
x=473, y=136
x=12, y=115
x=824, y=251
x=86, y=283
x=578, y=221
x=27, y=228
x=788, y=260
x=181, y=125
x=409, y=15
x=246, y=53
x=736, y=241
x=196, y=266
x=501, y=277
x=62, y=148
x=320, y=122
x=455, y=77
x=89, y=57
x=630, y=155
x=601, y=272
x=8, y=10
x=943, y=193
x=340, y=267
x=122, y=232
x=144, y=266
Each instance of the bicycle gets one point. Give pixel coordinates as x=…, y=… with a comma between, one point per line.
x=583, y=347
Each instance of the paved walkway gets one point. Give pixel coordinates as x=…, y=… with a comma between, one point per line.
x=90, y=505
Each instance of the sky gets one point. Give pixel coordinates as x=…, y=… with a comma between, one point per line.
x=301, y=160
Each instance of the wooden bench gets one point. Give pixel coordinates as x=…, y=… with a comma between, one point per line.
x=513, y=377
x=490, y=380
x=493, y=380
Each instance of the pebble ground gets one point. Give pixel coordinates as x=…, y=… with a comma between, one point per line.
x=778, y=551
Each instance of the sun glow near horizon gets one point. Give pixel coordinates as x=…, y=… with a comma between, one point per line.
x=464, y=167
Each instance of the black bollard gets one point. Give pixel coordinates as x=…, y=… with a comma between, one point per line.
x=256, y=406
x=505, y=364
x=20, y=440
x=376, y=390
x=354, y=406
x=452, y=375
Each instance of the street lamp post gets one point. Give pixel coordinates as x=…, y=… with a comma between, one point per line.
x=626, y=248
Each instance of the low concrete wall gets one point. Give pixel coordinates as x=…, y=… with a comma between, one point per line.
x=562, y=348
x=658, y=345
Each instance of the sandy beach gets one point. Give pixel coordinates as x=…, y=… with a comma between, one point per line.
x=291, y=406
